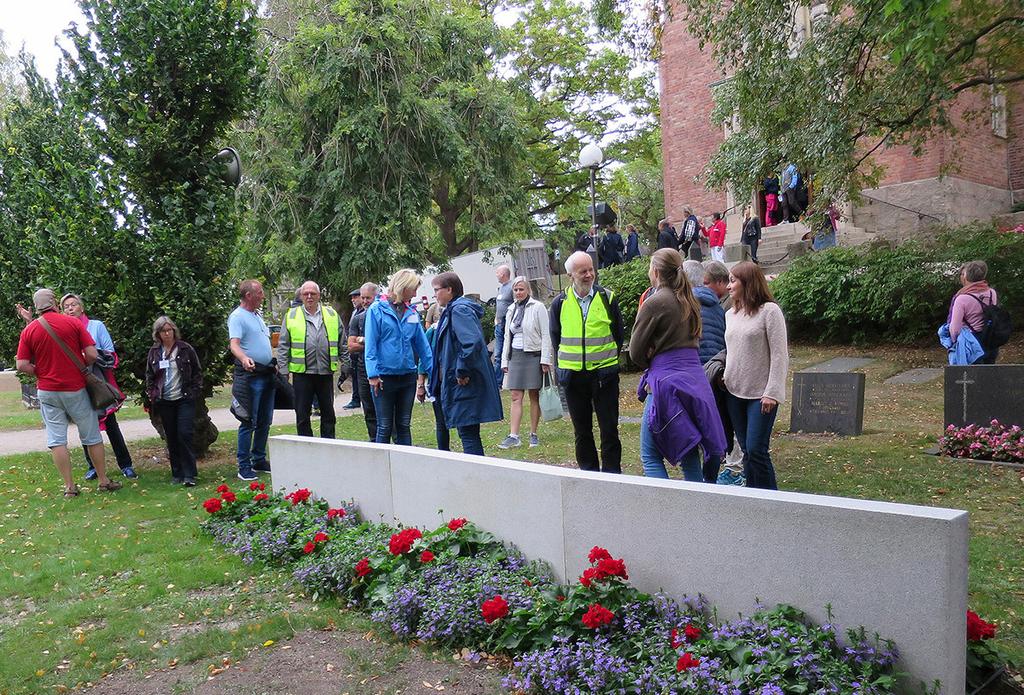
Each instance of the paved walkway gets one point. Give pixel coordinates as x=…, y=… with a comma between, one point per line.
x=32, y=441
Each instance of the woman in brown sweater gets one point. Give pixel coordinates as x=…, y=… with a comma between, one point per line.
x=755, y=369
x=680, y=415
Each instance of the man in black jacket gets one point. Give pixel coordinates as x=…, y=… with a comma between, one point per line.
x=667, y=236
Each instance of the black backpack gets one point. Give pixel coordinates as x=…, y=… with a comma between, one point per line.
x=998, y=325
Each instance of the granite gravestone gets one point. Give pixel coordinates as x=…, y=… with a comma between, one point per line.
x=978, y=394
x=828, y=402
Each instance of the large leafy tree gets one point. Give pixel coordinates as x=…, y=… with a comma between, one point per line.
x=110, y=176
x=871, y=73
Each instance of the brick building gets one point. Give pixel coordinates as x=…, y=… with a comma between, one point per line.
x=984, y=168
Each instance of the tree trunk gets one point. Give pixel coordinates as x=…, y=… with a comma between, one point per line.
x=204, y=434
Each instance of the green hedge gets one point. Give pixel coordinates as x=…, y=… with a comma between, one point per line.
x=627, y=281
x=901, y=295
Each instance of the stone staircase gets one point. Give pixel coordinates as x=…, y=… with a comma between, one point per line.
x=781, y=244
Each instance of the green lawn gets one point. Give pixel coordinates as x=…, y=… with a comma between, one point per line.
x=110, y=582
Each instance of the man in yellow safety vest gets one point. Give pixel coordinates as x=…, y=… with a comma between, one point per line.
x=586, y=334
x=311, y=348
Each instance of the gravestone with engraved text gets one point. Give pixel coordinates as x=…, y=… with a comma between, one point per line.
x=978, y=394
x=828, y=402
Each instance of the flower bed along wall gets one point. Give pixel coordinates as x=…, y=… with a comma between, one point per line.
x=461, y=588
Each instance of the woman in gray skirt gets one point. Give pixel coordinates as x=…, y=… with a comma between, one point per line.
x=526, y=358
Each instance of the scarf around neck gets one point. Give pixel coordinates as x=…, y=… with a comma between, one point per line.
x=517, y=315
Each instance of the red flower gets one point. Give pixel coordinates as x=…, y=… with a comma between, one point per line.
x=686, y=662
x=300, y=495
x=597, y=553
x=495, y=609
x=402, y=541
x=596, y=616
x=692, y=633
x=212, y=505
x=456, y=524
x=309, y=547
x=260, y=497
x=527, y=582
x=228, y=496
x=254, y=486
x=675, y=639
x=320, y=537
x=589, y=575
x=978, y=629
x=222, y=488
x=560, y=597
x=339, y=512
x=426, y=556
x=363, y=567
x=612, y=568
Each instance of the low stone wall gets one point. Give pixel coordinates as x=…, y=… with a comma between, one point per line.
x=896, y=569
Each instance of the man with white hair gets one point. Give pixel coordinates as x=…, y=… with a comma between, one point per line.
x=587, y=335
x=311, y=345
x=503, y=301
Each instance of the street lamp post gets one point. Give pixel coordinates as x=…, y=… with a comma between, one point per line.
x=591, y=157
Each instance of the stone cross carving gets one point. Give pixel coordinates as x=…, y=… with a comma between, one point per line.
x=964, y=381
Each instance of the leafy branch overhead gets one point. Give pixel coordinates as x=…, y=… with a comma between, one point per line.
x=868, y=75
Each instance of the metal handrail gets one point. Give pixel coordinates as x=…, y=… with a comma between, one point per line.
x=919, y=213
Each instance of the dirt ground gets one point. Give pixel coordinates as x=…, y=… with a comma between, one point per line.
x=317, y=663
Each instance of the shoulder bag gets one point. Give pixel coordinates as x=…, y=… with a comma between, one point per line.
x=101, y=393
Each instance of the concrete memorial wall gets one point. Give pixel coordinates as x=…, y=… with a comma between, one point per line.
x=898, y=570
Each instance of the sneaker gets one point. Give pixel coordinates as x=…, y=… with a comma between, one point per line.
x=90, y=474
x=534, y=441
x=177, y=481
x=510, y=442
x=351, y=406
x=189, y=482
x=727, y=477
x=261, y=467
x=129, y=472
x=246, y=474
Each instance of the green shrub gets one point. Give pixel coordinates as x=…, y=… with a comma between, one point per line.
x=900, y=295
x=627, y=281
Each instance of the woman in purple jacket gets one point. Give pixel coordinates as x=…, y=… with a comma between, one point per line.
x=680, y=415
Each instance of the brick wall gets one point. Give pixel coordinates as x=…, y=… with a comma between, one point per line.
x=1015, y=129
x=688, y=138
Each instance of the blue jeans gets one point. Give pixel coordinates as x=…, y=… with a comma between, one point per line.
x=754, y=433
x=654, y=462
x=393, y=406
x=499, y=345
x=252, y=436
x=469, y=434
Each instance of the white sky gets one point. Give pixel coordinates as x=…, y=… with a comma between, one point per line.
x=36, y=24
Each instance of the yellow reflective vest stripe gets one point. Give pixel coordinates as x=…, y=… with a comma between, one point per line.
x=295, y=322
x=591, y=345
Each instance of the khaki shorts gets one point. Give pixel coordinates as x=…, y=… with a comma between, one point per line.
x=60, y=407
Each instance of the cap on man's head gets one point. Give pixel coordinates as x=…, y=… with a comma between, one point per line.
x=44, y=299
x=354, y=293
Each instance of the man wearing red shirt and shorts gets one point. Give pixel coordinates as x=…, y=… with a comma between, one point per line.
x=61, y=387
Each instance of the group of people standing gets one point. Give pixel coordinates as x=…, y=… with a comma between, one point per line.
x=62, y=345
x=681, y=326
x=693, y=233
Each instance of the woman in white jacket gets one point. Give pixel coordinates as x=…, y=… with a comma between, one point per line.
x=526, y=357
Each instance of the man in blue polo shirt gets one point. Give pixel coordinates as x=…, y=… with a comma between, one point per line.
x=253, y=385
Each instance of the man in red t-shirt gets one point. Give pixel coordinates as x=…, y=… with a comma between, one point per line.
x=61, y=387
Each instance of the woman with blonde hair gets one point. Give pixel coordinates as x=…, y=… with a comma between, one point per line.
x=526, y=358
x=680, y=416
x=174, y=382
x=755, y=369
x=396, y=358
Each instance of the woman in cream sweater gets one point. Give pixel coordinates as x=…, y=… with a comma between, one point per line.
x=756, y=367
